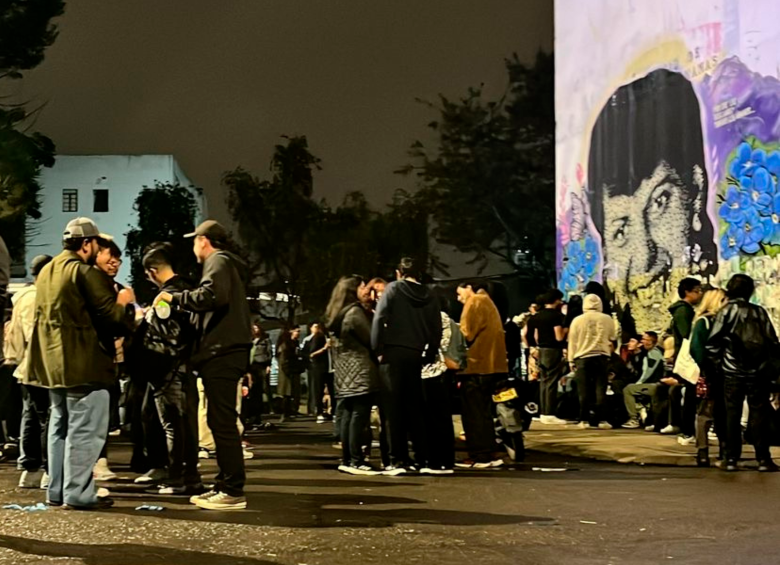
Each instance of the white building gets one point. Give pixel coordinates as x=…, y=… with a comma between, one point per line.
x=101, y=187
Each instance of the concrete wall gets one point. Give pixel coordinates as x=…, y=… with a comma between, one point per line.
x=124, y=176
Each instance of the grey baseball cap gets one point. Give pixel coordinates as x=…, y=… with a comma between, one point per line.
x=81, y=228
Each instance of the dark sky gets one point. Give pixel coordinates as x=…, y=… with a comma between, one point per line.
x=217, y=82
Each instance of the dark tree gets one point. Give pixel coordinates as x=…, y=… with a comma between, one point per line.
x=26, y=30
x=165, y=213
x=275, y=217
x=489, y=179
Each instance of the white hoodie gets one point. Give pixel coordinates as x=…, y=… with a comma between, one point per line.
x=591, y=333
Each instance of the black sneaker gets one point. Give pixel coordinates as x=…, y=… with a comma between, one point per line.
x=103, y=503
x=767, y=466
x=394, y=470
x=731, y=466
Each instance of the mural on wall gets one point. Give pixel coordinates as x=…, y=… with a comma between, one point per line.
x=667, y=149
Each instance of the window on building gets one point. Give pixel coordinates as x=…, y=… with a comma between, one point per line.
x=101, y=200
x=70, y=200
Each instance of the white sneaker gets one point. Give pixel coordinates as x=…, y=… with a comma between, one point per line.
x=497, y=463
x=248, y=455
x=31, y=479
x=102, y=493
x=670, y=430
x=393, y=471
x=152, y=476
x=101, y=472
x=321, y=419
x=204, y=453
x=686, y=440
x=605, y=426
x=361, y=470
x=45, y=481
x=583, y=425
x=551, y=420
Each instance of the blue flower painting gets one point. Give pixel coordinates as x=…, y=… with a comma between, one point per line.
x=751, y=206
x=581, y=259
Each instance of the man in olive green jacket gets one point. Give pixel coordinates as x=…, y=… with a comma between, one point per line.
x=72, y=353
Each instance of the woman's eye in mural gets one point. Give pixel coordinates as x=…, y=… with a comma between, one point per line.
x=620, y=231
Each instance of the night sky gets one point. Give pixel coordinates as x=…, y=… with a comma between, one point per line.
x=217, y=82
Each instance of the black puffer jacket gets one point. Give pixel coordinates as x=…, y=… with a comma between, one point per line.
x=354, y=363
x=742, y=341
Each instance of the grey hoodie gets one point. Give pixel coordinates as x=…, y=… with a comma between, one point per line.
x=590, y=333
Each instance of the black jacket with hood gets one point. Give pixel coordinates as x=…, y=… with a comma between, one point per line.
x=682, y=322
x=223, y=319
x=407, y=316
x=743, y=342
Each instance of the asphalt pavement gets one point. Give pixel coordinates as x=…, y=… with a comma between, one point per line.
x=552, y=509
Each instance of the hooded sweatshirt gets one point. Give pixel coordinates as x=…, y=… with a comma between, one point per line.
x=223, y=320
x=682, y=322
x=407, y=316
x=591, y=333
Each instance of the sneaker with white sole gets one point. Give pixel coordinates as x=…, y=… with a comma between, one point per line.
x=436, y=471
x=366, y=470
x=103, y=493
x=101, y=472
x=152, y=476
x=171, y=489
x=393, y=471
x=670, y=430
x=321, y=419
x=632, y=424
x=649, y=428
x=583, y=426
x=45, y=481
x=605, y=426
x=31, y=479
x=686, y=440
x=551, y=420
x=497, y=463
x=222, y=501
x=205, y=454
x=194, y=498
x=469, y=464
x=248, y=454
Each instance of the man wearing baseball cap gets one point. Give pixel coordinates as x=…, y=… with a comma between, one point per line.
x=221, y=356
x=72, y=354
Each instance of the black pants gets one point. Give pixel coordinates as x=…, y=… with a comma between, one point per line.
x=438, y=421
x=735, y=390
x=253, y=404
x=34, y=429
x=551, y=368
x=10, y=403
x=220, y=380
x=176, y=400
x=476, y=397
x=402, y=404
x=682, y=408
x=149, y=448
x=591, y=378
x=353, y=419
x=319, y=381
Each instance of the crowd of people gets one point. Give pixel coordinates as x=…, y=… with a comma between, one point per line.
x=187, y=375
x=711, y=376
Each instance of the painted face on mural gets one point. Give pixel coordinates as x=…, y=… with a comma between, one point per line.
x=645, y=232
x=647, y=189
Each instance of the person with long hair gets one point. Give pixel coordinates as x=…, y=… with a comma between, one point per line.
x=710, y=409
x=357, y=373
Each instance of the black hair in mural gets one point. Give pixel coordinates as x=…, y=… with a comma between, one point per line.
x=647, y=181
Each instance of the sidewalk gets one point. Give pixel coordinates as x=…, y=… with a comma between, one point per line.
x=622, y=446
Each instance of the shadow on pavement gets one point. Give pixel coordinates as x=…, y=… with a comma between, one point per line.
x=317, y=511
x=122, y=553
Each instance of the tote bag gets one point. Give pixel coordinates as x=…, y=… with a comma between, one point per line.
x=685, y=366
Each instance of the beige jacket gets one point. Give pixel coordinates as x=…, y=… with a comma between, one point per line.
x=23, y=318
x=591, y=333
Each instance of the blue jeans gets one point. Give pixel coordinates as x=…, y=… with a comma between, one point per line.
x=78, y=426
